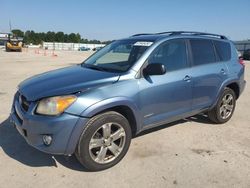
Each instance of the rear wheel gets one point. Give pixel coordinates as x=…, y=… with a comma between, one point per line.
x=224, y=108
x=104, y=141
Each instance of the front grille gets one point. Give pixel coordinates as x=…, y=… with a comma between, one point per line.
x=24, y=103
x=25, y=132
x=14, y=43
x=19, y=119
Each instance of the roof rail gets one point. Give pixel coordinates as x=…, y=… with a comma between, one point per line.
x=183, y=32
x=139, y=34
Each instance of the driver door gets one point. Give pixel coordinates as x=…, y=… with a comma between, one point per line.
x=166, y=97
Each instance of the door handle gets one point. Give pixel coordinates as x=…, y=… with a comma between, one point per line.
x=222, y=71
x=187, y=78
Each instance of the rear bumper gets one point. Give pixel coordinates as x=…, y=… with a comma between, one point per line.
x=64, y=129
x=242, y=86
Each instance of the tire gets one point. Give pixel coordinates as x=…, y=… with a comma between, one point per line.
x=223, y=111
x=106, y=149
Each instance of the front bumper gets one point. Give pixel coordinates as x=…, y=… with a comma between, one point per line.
x=14, y=47
x=64, y=129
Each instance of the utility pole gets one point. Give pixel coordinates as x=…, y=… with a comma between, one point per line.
x=10, y=26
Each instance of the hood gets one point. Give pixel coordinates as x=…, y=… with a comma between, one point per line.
x=64, y=81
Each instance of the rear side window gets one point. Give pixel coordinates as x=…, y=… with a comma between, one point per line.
x=203, y=51
x=223, y=50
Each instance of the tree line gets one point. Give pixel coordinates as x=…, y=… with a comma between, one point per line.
x=33, y=37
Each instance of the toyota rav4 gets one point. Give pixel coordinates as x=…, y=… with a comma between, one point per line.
x=93, y=109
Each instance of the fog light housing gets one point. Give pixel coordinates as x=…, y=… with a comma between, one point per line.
x=47, y=139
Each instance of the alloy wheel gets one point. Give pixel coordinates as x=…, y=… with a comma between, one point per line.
x=107, y=143
x=227, y=106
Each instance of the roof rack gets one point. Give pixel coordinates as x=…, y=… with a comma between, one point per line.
x=139, y=34
x=183, y=32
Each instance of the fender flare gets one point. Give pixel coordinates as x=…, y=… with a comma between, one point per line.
x=95, y=109
x=226, y=83
x=110, y=103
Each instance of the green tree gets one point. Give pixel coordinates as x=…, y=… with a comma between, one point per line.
x=59, y=37
x=50, y=36
x=42, y=36
x=31, y=36
x=95, y=41
x=72, y=38
x=78, y=38
x=18, y=32
x=107, y=42
x=66, y=36
x=26, y=38
x=86, y=41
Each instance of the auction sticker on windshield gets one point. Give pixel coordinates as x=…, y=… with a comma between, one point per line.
x=143, y=43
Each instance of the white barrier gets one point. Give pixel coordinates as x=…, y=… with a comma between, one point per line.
x=68, y=46
x=34, y=46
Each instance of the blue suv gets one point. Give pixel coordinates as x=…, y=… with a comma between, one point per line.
x=94, y=109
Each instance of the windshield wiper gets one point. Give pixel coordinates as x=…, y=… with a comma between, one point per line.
x=90, y=66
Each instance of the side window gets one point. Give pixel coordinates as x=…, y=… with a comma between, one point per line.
x=172, y=54
x=223, y=50
x=202, y=51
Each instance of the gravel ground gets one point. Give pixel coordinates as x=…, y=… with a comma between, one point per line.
x=187, y=153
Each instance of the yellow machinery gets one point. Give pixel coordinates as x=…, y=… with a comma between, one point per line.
x=14, y=44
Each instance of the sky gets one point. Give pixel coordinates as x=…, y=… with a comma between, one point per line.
x=114, y=19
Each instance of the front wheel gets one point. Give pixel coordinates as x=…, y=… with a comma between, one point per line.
x=224, y=108
x=104, y=141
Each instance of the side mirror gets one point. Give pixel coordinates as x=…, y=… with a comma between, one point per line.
x=154, y=69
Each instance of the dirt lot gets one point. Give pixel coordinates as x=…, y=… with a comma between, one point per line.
x=192, y=153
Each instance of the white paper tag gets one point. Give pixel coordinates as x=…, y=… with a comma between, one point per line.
x=143, y=43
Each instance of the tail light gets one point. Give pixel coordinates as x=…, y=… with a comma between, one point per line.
x=241, y=61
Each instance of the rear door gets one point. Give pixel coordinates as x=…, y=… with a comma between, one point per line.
x=208, y=72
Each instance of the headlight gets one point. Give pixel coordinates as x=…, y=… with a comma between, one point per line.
x=55, y=105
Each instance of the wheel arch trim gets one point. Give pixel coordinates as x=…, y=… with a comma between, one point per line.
x=111, y=103
x=221, y=89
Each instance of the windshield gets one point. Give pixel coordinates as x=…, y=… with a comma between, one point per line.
x=118, y=56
